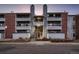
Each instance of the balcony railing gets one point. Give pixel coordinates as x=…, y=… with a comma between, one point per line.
x=54, y=24
x=54, y=19
x=23, y=19
x=2, y=19
x=54, y=27
x=2, y=27
x=23, y=27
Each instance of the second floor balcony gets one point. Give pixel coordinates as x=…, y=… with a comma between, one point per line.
x=23, y=19
x=2, y=19
x=54, y=19
x=23, y=27
x=54, y=27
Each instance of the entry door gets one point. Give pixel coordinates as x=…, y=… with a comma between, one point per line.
x=38, y=32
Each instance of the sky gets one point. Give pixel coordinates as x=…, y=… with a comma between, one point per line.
x=70, y=8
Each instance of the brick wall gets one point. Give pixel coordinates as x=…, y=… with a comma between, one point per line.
x=64, y=24
x=76, y=18
x=10, y=23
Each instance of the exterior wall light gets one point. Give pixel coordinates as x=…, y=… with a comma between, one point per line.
x=5, y=27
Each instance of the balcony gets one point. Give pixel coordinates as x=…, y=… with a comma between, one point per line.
x=23, y=19
x=1, y=36
x=54, y=27
x=38, y=23
x=23, y=27
x=2, y=27
x=54, y=19
x=55, y=36
x=2, y=19
x=22, y=35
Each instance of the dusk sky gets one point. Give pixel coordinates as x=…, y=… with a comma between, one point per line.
x=71, y=8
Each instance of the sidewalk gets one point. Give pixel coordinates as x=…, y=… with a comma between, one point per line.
x=42, y=43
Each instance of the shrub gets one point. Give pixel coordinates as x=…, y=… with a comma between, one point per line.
x=45, y=39
x=20, y=39
x=27, y=39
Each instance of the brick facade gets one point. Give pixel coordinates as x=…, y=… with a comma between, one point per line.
x=64, y=24
x=10, y=23
x=76, y=18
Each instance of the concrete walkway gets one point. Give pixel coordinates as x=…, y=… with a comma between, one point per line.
x=42, y=43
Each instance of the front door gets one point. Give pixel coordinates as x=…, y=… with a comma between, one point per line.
x=38, y=32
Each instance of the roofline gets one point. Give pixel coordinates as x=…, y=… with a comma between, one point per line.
x=71, y=15
x=56, y=12
x=42, y=15
x=15, y=13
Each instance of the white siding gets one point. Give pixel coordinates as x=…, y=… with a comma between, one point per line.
x=56, y=35
x=70, y=27
x=22, y=35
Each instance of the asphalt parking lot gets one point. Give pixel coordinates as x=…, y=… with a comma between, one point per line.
x=39, y=48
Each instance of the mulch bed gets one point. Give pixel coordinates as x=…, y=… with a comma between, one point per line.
x=28, y=40
x=17, y=40
x=62, y=40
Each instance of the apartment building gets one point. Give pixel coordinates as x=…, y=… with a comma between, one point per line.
x=50, y=25
x=57, y=25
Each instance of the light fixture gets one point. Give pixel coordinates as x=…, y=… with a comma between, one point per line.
x=38, y=24
x=38, y=18
x=5, y=27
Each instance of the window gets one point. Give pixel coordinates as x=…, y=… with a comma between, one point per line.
x=57, y=15
x=1, y=23
x=23, y=15
x=23, y=23
x=1, y=15
x=54, y=15
x=23, y=31
x=54, y=31
x=74, y=35
x=51, y=15
x=73, y=27
x=54, y=23
x=1, y=31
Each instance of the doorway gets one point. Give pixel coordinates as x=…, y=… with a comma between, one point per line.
x=38, y=32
